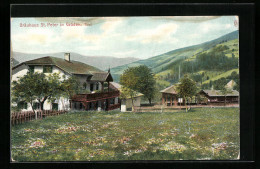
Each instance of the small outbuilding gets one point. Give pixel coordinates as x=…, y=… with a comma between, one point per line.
x=126, y=104
x=169, y=96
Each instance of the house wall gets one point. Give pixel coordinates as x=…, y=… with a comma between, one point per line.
x=83, y=79
x=19, y=72
x=127, y=103
x=63, y=104
x=23, y=69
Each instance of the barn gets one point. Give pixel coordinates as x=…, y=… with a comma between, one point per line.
x=216, y=96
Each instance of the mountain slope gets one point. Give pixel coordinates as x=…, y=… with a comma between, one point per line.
x=101, y=62
x=164, y=62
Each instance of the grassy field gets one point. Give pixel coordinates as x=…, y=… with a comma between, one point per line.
x=200, y=134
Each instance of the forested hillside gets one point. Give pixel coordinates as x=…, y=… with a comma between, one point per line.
x=210, y=64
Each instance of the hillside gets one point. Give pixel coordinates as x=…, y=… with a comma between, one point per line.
x=204, y=62
x=101, y=62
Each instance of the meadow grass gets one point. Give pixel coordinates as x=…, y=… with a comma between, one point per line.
x=200, y=134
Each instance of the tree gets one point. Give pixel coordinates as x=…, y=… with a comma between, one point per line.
x=70, y=86
x=129, y=82
x=145, y=82
x=186, y=88
x=22, y=90
x=36, y=87
x=225, y=91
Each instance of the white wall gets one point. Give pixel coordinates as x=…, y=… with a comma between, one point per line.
x=38, y=69
x=23, y=69
x=19, y=72
x=126, y=104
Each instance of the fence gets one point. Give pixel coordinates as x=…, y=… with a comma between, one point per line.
x=21, y=117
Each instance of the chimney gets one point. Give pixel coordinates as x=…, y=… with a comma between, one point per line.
x=67, y=57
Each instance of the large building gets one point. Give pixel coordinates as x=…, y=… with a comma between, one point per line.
x=217, y=97
x=94, y=80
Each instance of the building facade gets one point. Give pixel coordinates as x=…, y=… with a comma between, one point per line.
x=126, y=104
x=95, y=83
x=216, y=97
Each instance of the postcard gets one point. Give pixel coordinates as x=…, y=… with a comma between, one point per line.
x=125, y=88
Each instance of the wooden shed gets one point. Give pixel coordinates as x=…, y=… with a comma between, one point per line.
x=215, y=96
x=169, y=96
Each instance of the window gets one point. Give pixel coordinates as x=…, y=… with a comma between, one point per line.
x=91, y=87
x=47, y=69
x=80, y=106
x=54, y=106
x=75, y=105
x=31, y=69
x=22, y=105
x=97, y=86
x=112, y=101
x=36, y=106
x=84, y=85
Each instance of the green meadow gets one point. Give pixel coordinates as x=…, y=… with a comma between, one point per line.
x=200, y=134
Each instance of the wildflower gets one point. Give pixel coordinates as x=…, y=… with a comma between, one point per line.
x=220, y=146
x=192, y=136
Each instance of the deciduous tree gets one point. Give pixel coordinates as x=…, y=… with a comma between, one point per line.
x=129, y=82
x=36, y=87
x=186, y=88
x=145, y=82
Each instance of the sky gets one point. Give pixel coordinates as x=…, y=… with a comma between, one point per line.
x=139, y=37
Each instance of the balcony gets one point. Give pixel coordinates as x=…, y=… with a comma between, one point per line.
x=95, y=96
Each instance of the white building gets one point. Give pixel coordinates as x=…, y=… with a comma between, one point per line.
x=126, y=104
x=92, y=80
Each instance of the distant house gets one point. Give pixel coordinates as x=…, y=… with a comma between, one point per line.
x=215, y=96
x=91, y=79
x=126, y=104
x=231, y=84
x=169, y=96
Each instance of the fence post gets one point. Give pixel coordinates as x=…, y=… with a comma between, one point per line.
x=35, y=115
x=19, y=118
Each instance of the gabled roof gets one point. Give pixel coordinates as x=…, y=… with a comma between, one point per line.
x=117, y=86
x=170, y=90
x=218, y=93
x=101, y=76
x=231, y=84
x=72, y=67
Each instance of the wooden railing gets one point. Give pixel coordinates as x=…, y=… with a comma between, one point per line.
x=21, y=117
x=95, y=96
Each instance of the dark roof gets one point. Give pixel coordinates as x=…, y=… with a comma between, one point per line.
x=170, y=90
x=218, y=93
x=72, y=67
x=101, y=76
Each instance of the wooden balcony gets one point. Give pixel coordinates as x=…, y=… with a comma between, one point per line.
x=95, y=96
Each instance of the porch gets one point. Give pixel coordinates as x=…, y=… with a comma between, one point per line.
x=96, y=101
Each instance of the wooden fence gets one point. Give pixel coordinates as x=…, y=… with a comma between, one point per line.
x=21, y=117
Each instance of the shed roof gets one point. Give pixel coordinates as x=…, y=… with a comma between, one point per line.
x=72, y=67
x=117, y=86
x=217, y=93
x=170, y=90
